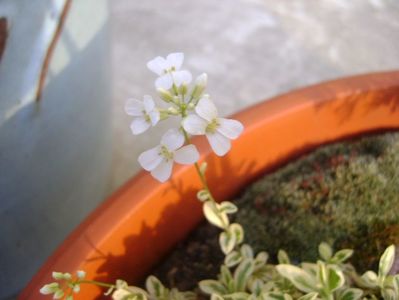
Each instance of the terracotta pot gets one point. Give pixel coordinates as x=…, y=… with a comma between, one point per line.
x=135, y=227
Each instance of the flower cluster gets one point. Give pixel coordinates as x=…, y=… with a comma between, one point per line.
x=197, y=112
x=65, y=285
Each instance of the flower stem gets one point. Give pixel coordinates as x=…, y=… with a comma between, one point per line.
x=99, y=283
x=197, y=168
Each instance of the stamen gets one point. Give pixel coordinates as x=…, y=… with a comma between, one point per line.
x=166, y=154
x=212, y=126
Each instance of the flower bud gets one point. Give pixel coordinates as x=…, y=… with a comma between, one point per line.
x=58, y=294
x=49, y=288
x=81, y=274
x=200, y=85
x=183, y=89
x=58, y=275
x=76, y=288
x=202, y=80
x=173, y=111
x=165, y=95
x=191, y=106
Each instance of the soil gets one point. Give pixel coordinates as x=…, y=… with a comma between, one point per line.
x=342, y=193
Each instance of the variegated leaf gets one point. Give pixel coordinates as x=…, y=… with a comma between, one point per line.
x=242, y=274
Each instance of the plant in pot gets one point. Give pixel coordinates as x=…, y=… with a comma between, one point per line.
x=244, y=274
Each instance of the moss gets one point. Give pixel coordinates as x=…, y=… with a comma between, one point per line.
x=346, y=194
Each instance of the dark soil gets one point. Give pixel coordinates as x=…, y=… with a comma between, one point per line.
x=346, y=194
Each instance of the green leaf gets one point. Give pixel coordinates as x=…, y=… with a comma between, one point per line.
x=237, y=296
x=261, y=259
x=216, y=297
x=369, y=279
x=273, y=296
x=330, y=277
x=287, y=297
x=155, y=287
x=310, y=268
x=283, y=257
x=389, y=294
x=386, y=261
x=309, y=296
x=335, y=277
x=322, y=275
x=238, y=232
x=203, y=195
x=225, y=276
x=227, y=241
x=246, y=251
x=396, y=282
x=212, y=287
x=212, y=214
x=232, y=259
x=242, y=274
x=325, y=251
x=255, y=286
x=228, y=207
x=351, y=294
x=298, y=277
x=342, y=255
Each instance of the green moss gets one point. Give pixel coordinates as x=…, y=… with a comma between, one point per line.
x=346, y=194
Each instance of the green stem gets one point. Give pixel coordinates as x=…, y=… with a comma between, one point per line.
x=99, y=283
x=175, y=89
x=197, y=168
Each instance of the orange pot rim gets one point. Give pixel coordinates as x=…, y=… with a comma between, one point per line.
x=141, y=221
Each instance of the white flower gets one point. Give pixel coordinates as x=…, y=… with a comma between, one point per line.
x=145, y=113
x=169, y=71
x=219, y=131
x=159, y=160
x=81, y=274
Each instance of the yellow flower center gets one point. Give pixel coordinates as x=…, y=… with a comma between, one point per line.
x=212, y=126
x=166, y=154
x=172, y=69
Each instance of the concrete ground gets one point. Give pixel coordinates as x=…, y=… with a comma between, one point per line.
x=251, y=50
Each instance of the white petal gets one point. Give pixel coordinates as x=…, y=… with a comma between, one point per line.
x=134, y=107
x=175, y=60
x=163, y=171
x=139, y=125
x=181, y=77
x=150, y=159
x=194, y=124
x=172, y=139
x=219, y=143
x=206, y=109
x=186, y=155
x=155, y=116
x=148, y=103
x=165, y=82
x=157, y=65
x=230, y=128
